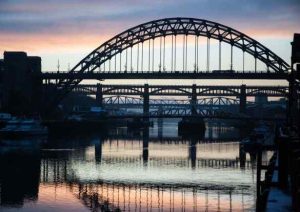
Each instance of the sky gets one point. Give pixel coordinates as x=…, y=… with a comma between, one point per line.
x=69, y=29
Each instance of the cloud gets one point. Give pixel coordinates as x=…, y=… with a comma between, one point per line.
x=54, y=16
x=71, y=25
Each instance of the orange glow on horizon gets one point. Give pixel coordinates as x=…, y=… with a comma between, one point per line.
x=86, y=42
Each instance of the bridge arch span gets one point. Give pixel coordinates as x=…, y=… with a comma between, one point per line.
x=173, y=26
x=180, y=26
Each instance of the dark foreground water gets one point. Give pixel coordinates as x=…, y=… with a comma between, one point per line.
x=129, y=171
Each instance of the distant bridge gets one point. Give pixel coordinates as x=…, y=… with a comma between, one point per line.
x=135, y=102
x=104, y=95
x=182, y=90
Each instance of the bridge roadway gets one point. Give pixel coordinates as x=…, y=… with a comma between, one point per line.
x=182, y=90
x=216, y=74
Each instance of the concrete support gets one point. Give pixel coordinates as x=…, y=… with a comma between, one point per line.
x=193, y=152
x=194, y=100
x=160, y=123
x=146, y=102
x=98, y=151
x=99, y=95
x=145, y=145
x=242, y=156
x=243, y=99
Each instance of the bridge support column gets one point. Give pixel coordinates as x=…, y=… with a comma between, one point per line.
x=160, y=123
x=146, y=103
x=193, y=152
x=98, y=151
x=99, y=95
x=194, y=100
x=145, y=145
x=243, y=98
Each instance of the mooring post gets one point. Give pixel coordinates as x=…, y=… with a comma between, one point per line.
x=99, y=95
x=146, y=103
x=243, y=98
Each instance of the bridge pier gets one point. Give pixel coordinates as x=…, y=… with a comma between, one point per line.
x=243, y=99
x=160, y=123
x=145, y=145
x=98, y=151
x=242, y=156
x=193, y=152
x=99, y=95
x=194, y=101
x=146, y=103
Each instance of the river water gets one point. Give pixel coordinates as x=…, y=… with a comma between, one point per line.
x=119, y=170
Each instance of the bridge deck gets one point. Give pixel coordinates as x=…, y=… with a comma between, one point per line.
x=166, y=75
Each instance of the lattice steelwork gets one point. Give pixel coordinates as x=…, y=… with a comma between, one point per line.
x=173, y=27
x=183, y=90
x=135, y=101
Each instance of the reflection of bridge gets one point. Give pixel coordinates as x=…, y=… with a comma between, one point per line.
x=101, y=196
x=161, y=49
x=177, y=161
x=100, y=193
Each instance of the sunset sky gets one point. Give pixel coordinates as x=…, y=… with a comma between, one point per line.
x=70, y=29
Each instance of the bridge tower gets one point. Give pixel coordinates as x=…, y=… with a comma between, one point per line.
x=146, y=103
x=194, y=100
x=99, y=95
x=243, y=99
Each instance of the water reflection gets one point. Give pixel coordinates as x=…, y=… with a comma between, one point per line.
x=152, y=169
x=19, y=174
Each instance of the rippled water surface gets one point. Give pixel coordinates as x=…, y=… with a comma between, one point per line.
x=146, y=170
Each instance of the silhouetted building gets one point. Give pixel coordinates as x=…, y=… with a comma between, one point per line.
x=21, y=89
x=1, y=80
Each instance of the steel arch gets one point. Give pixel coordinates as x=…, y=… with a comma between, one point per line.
x=173, y=26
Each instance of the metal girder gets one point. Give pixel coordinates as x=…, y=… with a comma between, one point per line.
x=205, y=113
x=215, y=74
x=128, y=101
x=183, y=90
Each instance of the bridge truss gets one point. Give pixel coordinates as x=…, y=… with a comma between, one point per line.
x=124, y=56
x=182, y=90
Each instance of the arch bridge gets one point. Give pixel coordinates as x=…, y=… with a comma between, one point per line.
x=171, y=48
